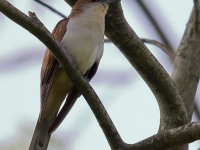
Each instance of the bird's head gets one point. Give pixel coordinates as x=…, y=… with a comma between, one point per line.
x=91, y=6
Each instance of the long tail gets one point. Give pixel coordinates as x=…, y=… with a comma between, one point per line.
x=41, y=136
x=48, y=113
x=45, y=128
x=69, y=102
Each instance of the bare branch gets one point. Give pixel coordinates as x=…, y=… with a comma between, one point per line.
x=50, y=8
x=170, y=138
x=186, y=68
x=163, y=47
x=172, y=109
x=155, y=24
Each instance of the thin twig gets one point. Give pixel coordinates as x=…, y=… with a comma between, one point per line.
x=33, y=16
x=160, y=45
x=155, y=23
x=51, y=8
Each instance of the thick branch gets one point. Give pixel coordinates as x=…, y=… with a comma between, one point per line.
x=38, y=30
x=170, y=138
x=172, y=109
x=186, y=67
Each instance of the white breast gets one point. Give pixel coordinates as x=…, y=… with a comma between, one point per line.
x=83, y=41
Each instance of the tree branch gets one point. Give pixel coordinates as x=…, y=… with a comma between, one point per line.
x=37, y=29
x=155, y=23
x=163, y=47
x=170, y=138
x=171, y=106
x=186, y=68
x=50, y=8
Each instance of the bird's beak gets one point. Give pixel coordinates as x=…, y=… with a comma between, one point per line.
x=108, y=1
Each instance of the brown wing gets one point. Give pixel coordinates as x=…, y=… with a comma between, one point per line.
x=71, y=99
x=50, y=65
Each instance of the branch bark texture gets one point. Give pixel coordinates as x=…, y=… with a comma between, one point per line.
x=170, y=138
x=171, y=106
x=186, y=68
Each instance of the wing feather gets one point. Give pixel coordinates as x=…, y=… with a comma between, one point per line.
x=50, y=64
x=71, y=99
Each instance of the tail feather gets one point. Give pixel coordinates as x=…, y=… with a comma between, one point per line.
x=69, y=102
x=41, y=136
x=48, y=112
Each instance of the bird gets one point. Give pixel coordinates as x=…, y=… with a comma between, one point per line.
x=82, y=36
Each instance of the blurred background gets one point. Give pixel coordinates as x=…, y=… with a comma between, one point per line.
x=123, y=92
